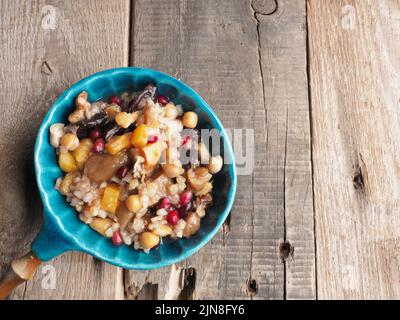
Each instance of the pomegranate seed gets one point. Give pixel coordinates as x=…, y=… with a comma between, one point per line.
x=152, y=139
x=162, y=100
x=116, y=238
x=95, y=134
x=98, y=145
x=115, y=99
x=185, y=140
x=165, y=203
x=185, y=198
x=173, y=217
x=122, y=172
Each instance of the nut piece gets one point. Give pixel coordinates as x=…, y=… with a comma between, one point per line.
x=172, y=170
x=192, y=224
x=69, y=142
x=215, y=164
x=76, y=116
x=198, y=177
x=56, y=132
x=81, y=101
x=149, y=240
x=82, y=104
x=190, y=119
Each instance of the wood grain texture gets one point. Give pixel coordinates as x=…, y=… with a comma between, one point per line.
x=232, y=53
x=37, y=64
x=288, y=155
x=354, y=69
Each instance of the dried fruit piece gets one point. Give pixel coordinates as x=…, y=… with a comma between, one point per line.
x=101, y=225
x=140, y=136
x=118, y=143
x=148, y=92
x=101, y=167
x=152, y=152
x=124, y=215
x=109, y=201
x=149, y=240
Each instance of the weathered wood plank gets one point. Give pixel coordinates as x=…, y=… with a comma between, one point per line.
x=283, y=44
x=354, y=68
x=39, y=60
x=227, y=52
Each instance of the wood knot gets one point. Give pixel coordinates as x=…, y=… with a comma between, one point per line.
x=252, y=287
x=265, y=7
x=286, y=250
x=358, y=179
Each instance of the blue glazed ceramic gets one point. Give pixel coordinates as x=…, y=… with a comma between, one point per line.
x=63, y=231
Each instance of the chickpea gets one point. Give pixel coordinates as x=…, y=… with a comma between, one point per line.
x=173, y=170
x=171, y=112
x=149, y=240
x=190, y=120
x=69, y=142
x=215, y=164
x=133, y=203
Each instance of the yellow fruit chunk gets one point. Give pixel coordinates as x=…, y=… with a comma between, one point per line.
x=67, y=163
x=82, y=153
x=101, y=225
x=149, y=240
x=140, y=136
x=109, y=201
x=152, y=152
x=118, y=143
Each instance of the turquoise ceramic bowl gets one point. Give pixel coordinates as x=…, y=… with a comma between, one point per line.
x=63, y=231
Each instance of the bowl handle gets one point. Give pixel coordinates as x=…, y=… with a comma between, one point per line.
x=21, y=270
x=48, y=244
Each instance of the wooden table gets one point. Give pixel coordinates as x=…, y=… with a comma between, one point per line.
x=318, y=81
